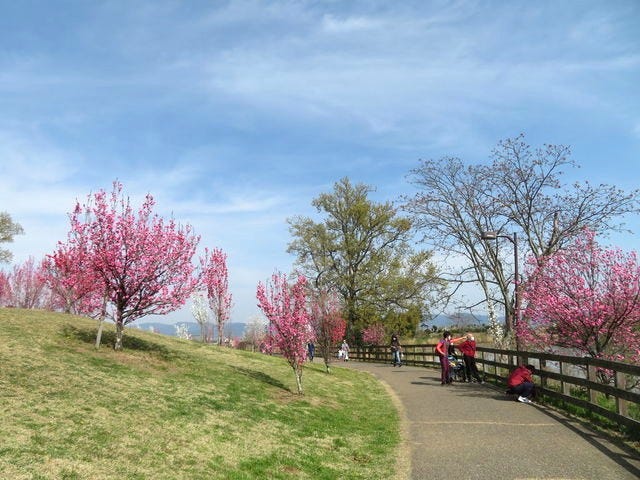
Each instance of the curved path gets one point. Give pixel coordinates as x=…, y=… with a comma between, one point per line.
x=471, y=431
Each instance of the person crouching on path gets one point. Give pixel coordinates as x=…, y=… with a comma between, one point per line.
x=442, y=350
x=468, y=350
x=520, y=382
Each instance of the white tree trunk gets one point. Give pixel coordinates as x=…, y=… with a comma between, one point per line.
x=99, y=335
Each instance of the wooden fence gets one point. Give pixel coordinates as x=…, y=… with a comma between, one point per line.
x=557, y=376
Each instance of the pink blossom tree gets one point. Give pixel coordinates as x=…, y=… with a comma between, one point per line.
x=73, y=282
x=285, y=307
x=327, y=322
x=24, y=287
x=373, y=334
x=4, y=287
x=143, y=263
x=215, y=279
x=586, y=299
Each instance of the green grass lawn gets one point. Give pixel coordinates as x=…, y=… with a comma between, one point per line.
x=165, y=408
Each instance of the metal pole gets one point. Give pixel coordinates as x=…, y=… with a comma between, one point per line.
x=516, y=295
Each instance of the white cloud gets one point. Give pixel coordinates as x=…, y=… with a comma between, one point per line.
x=235, y=116
x=349, y=25
x=26, y=161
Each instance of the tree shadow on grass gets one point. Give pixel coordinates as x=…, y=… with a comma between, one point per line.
x=262, y=377
x=88, y=335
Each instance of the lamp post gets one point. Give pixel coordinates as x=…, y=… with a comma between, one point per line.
x=490, y=235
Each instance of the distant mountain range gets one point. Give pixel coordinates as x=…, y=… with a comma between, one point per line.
x=458, y=319
x=236, y=330
x=233, y=330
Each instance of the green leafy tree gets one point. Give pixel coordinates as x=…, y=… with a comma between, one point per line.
x=404, y=322
x=8, y=229
x=362, y=250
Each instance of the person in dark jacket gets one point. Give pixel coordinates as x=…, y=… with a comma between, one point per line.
x=396, y=351
x=520, y=382
x=468, y=350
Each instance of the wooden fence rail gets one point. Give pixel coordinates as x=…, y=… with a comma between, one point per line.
x=557, y=375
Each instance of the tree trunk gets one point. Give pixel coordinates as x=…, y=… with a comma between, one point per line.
x=298, y=372
x=324, y=348
x=221, y=322
x=99, y=335
x=352, y=317
x=103, y=315
x=119, y=332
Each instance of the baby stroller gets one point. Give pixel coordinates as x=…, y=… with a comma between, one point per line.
x=457, y=369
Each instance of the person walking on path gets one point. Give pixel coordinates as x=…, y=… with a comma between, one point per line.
x=345, y=351
x=468, y=350
x=442, y=350
x=396, y=351
x=520, y=382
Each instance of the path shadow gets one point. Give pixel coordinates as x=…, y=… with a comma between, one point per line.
x=483, y=390
x=427, y=381
x=598, y=439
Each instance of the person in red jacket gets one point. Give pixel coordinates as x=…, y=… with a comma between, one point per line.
x=520, y=382
x=468, y=350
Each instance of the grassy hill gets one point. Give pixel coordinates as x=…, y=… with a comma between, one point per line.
x=171, y=409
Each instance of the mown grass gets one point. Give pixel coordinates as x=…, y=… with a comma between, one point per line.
x=170, y=409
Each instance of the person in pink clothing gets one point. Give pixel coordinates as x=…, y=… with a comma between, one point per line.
x=468, y=350
x=442, y=350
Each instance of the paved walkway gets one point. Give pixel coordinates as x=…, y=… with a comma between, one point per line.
x=474, y=432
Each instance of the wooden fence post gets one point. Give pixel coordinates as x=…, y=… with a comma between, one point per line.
x=566, y=387
x=621, y=404
x=592, y=376
x=543, y=378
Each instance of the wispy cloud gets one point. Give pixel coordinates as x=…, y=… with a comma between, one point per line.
x=350, y=25
x=235, y=115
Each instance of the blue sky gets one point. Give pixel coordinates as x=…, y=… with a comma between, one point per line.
x=235, y=115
